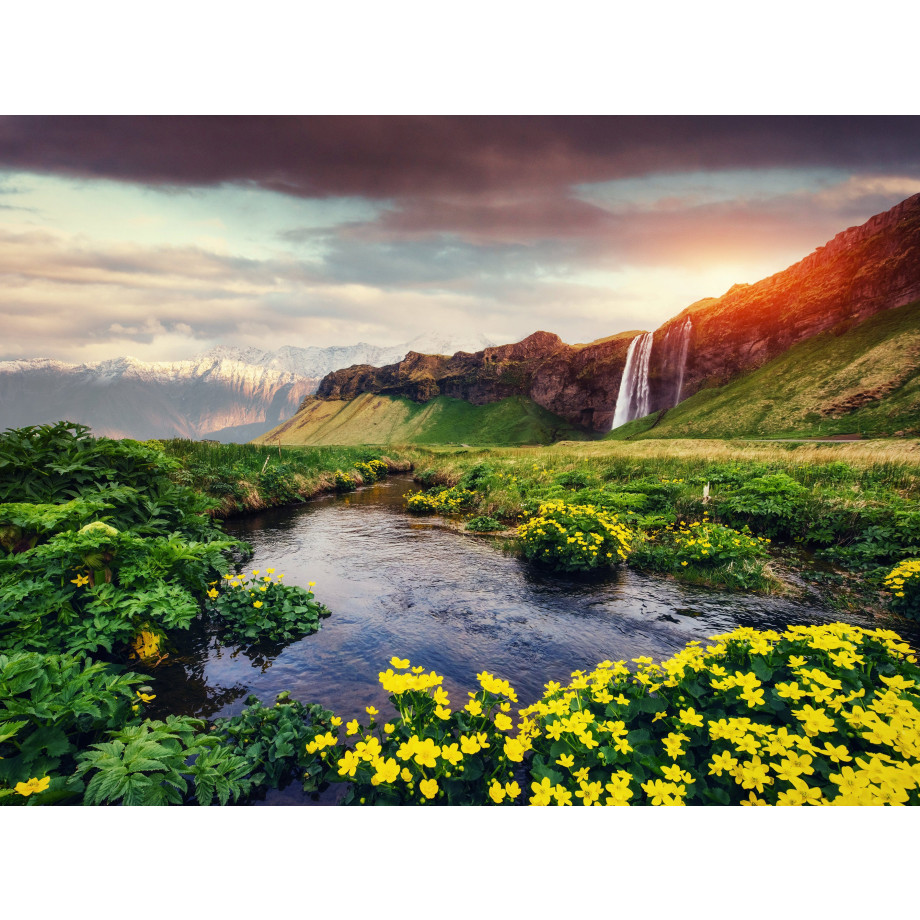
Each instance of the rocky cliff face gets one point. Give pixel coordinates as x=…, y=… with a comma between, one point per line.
x=859, y=273
x=577, y=382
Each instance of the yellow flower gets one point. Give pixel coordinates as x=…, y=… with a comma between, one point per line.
x=146, y=697
x=349, y=763
x=503, y=723
x=496, y=792
x=399, y=662
x=371, y=711
x=513, y=790
x=336, y=721
x=351, y=728
x=213, y=593
x=428, y=788
x=257, y=604
x=33, y=785
x=79, y=581
x=566, y=760
x=389, y=728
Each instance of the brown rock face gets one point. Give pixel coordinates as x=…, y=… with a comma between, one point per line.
x=578, y=382
x=859, y=273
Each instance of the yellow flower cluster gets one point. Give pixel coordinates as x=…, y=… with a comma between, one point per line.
x=447, y=501
x=905, y=574
x=829, y=734
x=574, y=537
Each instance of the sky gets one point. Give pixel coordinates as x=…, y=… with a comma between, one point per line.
x=160, y=237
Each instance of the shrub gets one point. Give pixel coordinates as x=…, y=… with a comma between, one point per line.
x=775, y=505
x=903, y=581
x=263, y=609
x=52, y=707
x=147, y=764
x=706, y=553
x=372, y=470
x=574, y=538
x=442, y=501
x=344, y=482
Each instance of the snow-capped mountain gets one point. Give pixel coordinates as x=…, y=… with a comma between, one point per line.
x=317, y=362
x=227, y=393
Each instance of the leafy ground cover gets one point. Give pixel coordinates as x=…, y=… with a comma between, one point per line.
x=838, y=516
x=106, y=550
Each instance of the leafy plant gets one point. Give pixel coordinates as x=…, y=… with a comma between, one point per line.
x=52, y=707
x=252, y=610
x=484, y=524
x=344, y=482
x=150, y=763
x=273, y=740
x=813, y=715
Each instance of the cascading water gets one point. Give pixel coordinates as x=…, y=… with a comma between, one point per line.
x=633, y=398
x=682, y=363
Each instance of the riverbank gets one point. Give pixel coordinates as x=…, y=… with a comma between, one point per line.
x=241, y=479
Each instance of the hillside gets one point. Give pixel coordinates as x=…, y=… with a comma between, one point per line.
x=864, y=380
x=861, y=273
x=376, y=419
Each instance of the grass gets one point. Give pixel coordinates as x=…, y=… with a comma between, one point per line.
x=240, y=478
x=385, y=420
x=864, y=380
x=840, y=514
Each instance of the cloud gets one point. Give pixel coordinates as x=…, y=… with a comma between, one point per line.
x=384, y=157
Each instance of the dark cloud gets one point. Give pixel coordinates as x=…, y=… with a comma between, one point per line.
x=395, y=157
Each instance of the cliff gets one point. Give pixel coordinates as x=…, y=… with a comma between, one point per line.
x=861, y=272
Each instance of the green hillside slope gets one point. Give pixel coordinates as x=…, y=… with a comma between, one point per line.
x=865, y=380
x=375, y=419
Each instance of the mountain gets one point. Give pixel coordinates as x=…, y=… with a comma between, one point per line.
x=861, y=273
x=227, y=393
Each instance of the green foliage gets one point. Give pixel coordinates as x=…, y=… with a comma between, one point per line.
x=53, y=464
x=475, y=477
x=148, y=764
x=273, y=741
x=574, y=538
x=775, y=505
x=484, y=524
x=94, y=589
x=53, y=706
x=704, y=552
x=261, y=609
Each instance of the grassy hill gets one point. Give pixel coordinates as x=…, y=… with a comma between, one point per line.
x=860, y=380
x=374, y=419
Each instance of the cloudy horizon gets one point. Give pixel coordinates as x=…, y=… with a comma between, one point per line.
x=162, y=237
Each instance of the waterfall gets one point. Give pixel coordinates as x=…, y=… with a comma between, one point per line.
x=633, y=398
x=684, y=347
